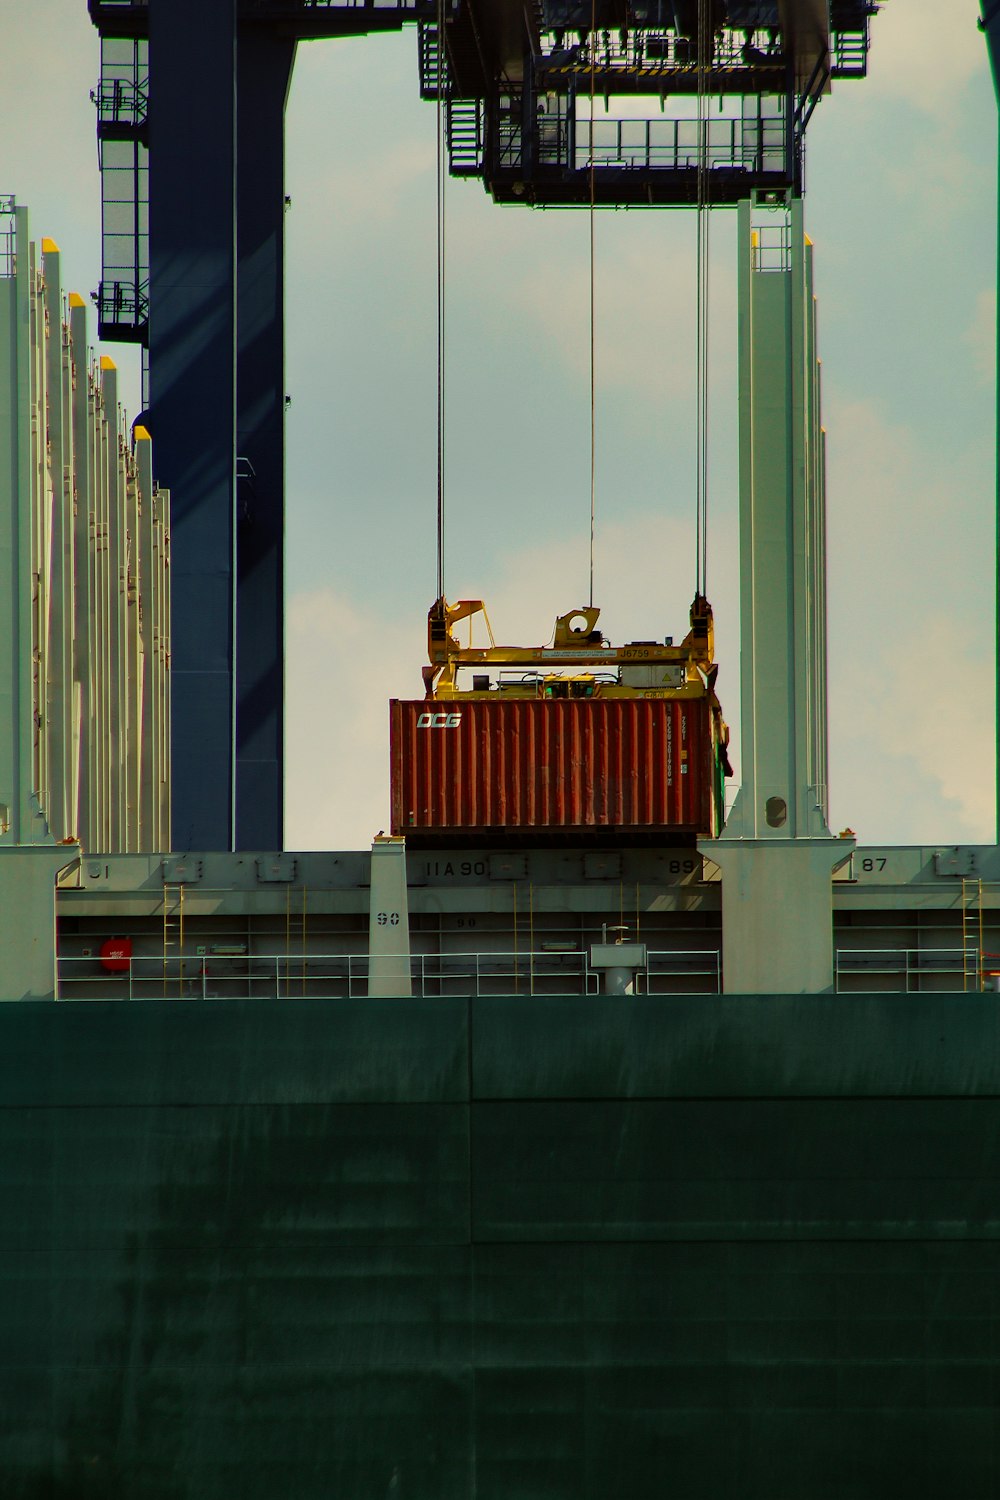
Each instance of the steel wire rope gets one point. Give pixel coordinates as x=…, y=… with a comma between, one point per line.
x=440, y=288
x=702, y=256
x=593, y=317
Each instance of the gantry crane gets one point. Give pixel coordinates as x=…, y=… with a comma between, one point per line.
x=523, y=91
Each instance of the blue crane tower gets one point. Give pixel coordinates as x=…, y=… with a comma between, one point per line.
x=190, y=128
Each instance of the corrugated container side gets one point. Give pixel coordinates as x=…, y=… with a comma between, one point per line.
x=502, y=764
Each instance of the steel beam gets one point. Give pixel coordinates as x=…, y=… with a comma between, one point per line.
x=21, y=820
x=192, y=347
x=28, y=917
x=84, y=820
x=783, y=739
x=776, y=854
x=217, y=409
x=388, y=920
x=264, y=69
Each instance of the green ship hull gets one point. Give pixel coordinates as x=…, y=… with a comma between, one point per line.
x=510, y=1249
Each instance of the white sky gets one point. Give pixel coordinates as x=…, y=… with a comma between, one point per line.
x=901, y=204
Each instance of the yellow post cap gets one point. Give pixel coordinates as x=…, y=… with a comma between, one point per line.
x=107, y=363
x=75, y=300
x=49, y=247
x=140, y=433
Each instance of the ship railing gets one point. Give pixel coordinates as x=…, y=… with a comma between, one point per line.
x=903, y=970
x=8, y=237
x=206, y=976
x=675, y=972
x=754, y=143
x=303, y=7
x=276, y=10
x=320, y=975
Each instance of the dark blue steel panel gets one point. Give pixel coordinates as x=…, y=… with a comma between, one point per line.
x=192, y=350
x=263, y=74
x=217, y=98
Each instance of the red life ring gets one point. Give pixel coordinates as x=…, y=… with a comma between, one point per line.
x=116, y=955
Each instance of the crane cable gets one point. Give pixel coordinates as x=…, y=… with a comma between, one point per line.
x=702, y=301
x=593, y=331
x=440, y=165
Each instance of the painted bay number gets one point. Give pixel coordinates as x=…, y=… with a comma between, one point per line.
x=455, y=867
x=869, y=864
x=388, y=919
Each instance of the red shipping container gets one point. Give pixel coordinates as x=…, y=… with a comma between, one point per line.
x=494, y=767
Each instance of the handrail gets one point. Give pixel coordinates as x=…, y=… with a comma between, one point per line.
x=909, y=964
x=746, y=142
x=345, y=975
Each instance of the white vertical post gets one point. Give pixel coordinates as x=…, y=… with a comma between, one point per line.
x=776, y=853
x=21, y=818
x=389, y=921
x=783, y=790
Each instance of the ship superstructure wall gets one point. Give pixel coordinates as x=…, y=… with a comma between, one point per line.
x=84, y=595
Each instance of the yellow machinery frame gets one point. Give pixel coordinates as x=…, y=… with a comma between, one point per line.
x=685, y=671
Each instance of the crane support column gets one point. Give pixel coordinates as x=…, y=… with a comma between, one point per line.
x=264, y=70
x=192, y=338
x=776, y=853
x=216, y=340
x=783, y=737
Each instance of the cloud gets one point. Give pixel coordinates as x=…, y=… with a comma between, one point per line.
x=939, y=704
x=643, y=581
x=981, y=336
x=909, y=515
x=539, y=287
x=923, y=124
x=645, y=307
x=344, y=663
x=348, y=185
x=911, y=683
x=916, y=745
x=924, y=56
x=50, y=162
x=340, y=202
